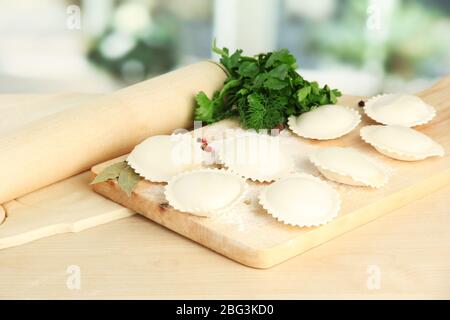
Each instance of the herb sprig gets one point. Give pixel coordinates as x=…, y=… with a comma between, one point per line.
x=125, y=176
x=263, y=91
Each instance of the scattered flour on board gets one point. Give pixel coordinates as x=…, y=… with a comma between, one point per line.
x=155, y=193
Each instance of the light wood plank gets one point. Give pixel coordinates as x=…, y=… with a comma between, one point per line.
x=134, y=258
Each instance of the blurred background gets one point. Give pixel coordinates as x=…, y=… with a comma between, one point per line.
x=362, y=47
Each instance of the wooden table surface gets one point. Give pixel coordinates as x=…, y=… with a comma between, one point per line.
x=405, y=254
x=135, y=258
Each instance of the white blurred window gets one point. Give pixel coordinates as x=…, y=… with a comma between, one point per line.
x=359, y=46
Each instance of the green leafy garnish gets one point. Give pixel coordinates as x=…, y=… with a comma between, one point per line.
x=126, y=177
x=110, y=173
x=262, y=91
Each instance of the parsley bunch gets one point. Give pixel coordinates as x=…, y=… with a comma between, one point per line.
x=263, y=91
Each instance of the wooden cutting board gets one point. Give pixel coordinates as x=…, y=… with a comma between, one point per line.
x=250, y=236
x=66, y=206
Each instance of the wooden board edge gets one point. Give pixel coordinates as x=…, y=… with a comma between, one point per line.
x=252, y=257
x=267, y=258
x=358, y=218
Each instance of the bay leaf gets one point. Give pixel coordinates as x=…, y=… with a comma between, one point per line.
x=110, y=172
x=128, y=179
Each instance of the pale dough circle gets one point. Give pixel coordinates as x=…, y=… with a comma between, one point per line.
x=159, y=158
x=301, y=200
x=349, y=166
x=258, y=157
x=399, y=109
x=325, y=122
x=205, y=192
x=401, y=143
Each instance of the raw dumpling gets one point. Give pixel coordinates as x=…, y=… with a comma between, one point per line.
x=159, y=158
x=349, y=166
x=205, y=192
x=325, y=122
x=401, y=143
x=258, y=157
x=301, y=200
x=399, y=109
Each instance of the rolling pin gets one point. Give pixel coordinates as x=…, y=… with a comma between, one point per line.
x=69, y=142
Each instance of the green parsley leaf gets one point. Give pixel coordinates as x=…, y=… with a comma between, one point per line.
x=303, y=93
x=204, y=110
x=280, y=72
x=275, y=84
x=248, y=69
x=263, y=90
x=281, y=56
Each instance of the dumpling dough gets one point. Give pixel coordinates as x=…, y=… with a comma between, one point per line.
x=258, y=157
x=325, y=122
x=159, y=158
x=301, y=200
x=399, y=109
x=205, y=192
x=401, y=143
x=349, y=166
